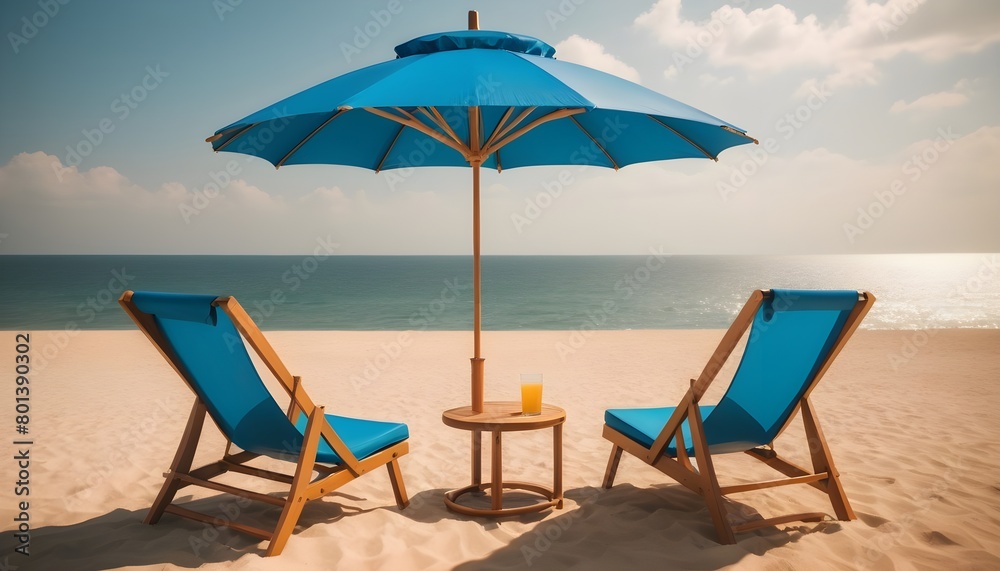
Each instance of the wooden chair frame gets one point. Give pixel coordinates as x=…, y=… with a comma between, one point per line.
x=302, y=487
x=702, y=479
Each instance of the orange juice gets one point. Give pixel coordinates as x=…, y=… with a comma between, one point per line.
x=531, y=398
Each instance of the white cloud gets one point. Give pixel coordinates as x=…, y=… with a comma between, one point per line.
x=327, y=198
x=710, y=80
x=784, y=202
x=908, y=202
x=787, y=202
x=586, y=52
x=37, y=174
x=956, y=97
x=48, y=208
x=848, y=50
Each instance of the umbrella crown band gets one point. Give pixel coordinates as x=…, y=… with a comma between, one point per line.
x=474, y=39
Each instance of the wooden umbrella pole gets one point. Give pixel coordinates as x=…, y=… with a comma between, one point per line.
x=477, y=322
x=475, y=160
x=477, y=359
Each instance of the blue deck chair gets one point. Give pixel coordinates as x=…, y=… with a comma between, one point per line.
x=201, y=336
x=794, y=338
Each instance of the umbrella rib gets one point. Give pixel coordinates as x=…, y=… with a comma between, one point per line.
x=236, y=136
x=406, y=113
x=499, y=125
x=388, y=150
x=689, y=141
x=439, y=121
x=446, y=127
x=524, y=114
x=426, y=113
x=306, y=139
x=557, y=114
x=417, y=121
x=223, y=133
x=418, y=125
x=598, y=145
x=740, y=133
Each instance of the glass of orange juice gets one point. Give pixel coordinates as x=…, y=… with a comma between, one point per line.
x=531, y=393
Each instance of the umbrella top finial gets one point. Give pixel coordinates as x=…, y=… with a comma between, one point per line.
x=473, y=20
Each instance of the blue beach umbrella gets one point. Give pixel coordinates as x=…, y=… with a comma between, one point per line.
x=478, y=99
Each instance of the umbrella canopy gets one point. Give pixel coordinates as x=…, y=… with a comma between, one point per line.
x=376, y=116
x=477, y=98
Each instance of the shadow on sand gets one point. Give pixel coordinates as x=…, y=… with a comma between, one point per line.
x=588, y=534
x=678, y=534
x=120, y=539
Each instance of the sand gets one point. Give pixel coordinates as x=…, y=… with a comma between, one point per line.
x=910, y=417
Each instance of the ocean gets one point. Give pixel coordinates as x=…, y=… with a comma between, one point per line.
x=653, y=291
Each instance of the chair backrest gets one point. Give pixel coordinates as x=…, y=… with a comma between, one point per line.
x=204, y=346
x=790, y=341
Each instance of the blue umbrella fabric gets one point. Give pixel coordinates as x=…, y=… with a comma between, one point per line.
x=377, y=116
x=477, y=98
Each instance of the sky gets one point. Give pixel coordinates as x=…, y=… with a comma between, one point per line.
x=878, y=124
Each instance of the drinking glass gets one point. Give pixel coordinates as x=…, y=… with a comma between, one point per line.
x=531, y=393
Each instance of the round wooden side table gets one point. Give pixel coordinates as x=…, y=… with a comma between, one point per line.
x=497, y=418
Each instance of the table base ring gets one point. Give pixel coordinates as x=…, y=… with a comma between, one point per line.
x=451, y=499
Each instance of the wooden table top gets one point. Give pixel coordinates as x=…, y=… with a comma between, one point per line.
x=504, y=416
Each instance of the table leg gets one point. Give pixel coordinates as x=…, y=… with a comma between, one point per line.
x=477, y=457
x=557, y=486
x=497, y=471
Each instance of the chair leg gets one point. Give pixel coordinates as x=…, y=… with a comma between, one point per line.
x=300, y=482
x=181, y=463
x=286, y=523
x=716, y=509
x=710, y=483
x=398, y=489
x=822, y=461
x=609, y=474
